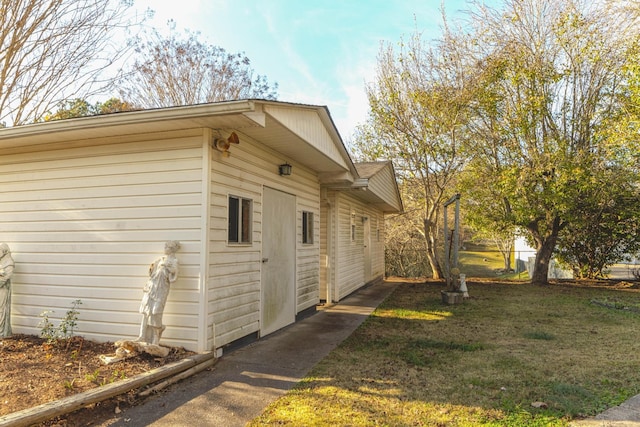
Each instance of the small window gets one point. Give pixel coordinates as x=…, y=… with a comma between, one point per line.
x=353, y=226
x=307, y=227
x=239, y=220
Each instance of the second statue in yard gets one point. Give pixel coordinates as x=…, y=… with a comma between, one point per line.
x=6, y=271
x=162, y=273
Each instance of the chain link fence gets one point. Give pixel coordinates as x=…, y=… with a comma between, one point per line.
x=490, y=263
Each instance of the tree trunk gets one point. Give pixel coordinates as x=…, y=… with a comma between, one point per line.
x=545, y=246
x=541, y=264
x=506, y=257
x=436, y=270
x=429, y=232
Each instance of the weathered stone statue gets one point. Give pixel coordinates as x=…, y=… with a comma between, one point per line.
x=6, y=271
x=162, y=273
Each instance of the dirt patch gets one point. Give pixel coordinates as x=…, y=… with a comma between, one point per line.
x=33, y=371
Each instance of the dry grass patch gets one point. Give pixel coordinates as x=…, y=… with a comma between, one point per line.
x=417, y=362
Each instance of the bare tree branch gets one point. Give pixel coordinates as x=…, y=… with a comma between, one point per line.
x=52, y=50
x=173, y=71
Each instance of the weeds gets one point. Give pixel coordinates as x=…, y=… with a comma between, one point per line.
x=65, y=329
x=96, y=377
x=93, y=377
x=539, y=335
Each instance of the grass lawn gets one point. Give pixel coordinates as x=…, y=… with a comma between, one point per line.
x=479, y=260
x=417, y=362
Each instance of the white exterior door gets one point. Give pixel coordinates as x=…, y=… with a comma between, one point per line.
x=367, y=249
x=278, y=260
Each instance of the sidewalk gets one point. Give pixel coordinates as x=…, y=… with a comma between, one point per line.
x=627, y=414
x=246, y=380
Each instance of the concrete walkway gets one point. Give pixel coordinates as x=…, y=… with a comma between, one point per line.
x=245, y=381
x=625, y=415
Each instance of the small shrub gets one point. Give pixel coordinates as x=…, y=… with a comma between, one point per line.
x=65, y=329
x=47, y=329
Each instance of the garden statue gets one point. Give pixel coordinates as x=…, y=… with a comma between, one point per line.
x=6, y=271
x=162, y=273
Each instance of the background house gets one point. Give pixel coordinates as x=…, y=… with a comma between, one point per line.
x=86, y=204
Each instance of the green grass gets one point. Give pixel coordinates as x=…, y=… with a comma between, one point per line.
x=417, y=362
x=478, y=260
x=539, y=335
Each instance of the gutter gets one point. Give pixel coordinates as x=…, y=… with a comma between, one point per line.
x=128, y=118
x=360, y=184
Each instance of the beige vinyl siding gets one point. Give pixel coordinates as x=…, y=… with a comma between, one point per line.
x=85, y=223
x=377, y=245
x=304, y=123
x=235, y=269
x=349, y=257
x=324, y=250
x=308, y=255
x=383, y=184
x=328, y=245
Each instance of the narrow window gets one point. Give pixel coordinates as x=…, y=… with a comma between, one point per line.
x=239, y=220
x=353, y=226
x=307, y=227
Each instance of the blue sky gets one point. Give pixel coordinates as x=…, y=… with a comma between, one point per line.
x=319, y=52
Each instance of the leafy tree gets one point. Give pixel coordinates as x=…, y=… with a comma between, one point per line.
x=604, y=226
x=113, y=105
x=81, y=108
x=529, y=99
x=487, y=212
x=172, y=71
x=418, y=105
x=51, y=49
x=552, y=73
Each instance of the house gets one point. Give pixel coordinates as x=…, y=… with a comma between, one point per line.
x=272, y=215
x=525, y=261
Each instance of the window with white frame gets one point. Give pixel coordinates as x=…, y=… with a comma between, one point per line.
x=240, y=210
x=307, y=227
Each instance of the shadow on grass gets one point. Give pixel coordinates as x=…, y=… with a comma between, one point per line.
x=485, y=362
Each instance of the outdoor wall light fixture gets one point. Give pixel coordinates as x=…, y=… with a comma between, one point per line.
x=284, y=169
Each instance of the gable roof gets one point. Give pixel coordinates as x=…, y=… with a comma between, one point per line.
x=368, y=169
x=305, y=133
x=381, y=185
